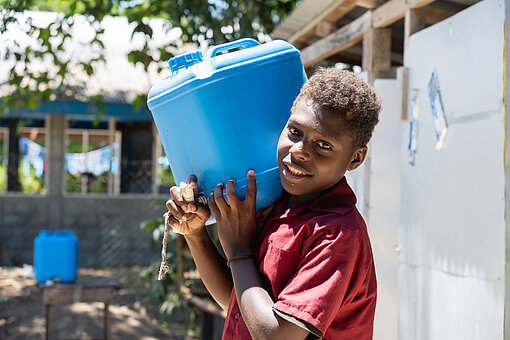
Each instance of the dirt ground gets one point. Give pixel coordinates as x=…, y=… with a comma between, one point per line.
x=131, y=316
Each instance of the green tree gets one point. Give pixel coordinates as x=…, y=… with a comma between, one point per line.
x=200, y=21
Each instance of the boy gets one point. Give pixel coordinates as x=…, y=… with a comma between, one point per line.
x=302, y=268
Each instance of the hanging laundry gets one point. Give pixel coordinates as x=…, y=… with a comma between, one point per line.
x=32, y=154
x=95, y=162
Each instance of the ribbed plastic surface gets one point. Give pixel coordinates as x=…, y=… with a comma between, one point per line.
x=56, y=256
x=222, y=116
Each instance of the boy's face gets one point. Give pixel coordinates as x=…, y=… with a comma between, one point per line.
x=315, y=150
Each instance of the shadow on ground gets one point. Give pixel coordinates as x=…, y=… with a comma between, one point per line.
x=131, y=317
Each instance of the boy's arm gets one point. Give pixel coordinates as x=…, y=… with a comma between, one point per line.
x=256, y=305
x=211, y=266
x=237, y=229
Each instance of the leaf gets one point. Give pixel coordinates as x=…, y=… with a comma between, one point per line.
x=32, y=102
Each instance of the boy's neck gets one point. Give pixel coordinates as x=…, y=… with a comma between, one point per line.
x=297, y=200
x=294, y=201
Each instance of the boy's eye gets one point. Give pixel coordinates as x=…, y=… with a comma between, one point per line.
x=294, y=131
x=324, y=145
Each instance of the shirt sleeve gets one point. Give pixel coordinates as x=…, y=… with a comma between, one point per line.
x=318, y=288
x=314, y=332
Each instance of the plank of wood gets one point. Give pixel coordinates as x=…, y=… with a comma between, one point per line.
x=394, y=10
x=340, y=39
x=414, y=21
x=324, y=29
x=369, y=4
x=402, y=92
x=377, y=51
x=77, y=293
x=336, y=11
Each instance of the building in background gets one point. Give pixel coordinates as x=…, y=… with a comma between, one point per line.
x=66, y=165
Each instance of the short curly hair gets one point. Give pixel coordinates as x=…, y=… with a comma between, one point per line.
x=349, y=96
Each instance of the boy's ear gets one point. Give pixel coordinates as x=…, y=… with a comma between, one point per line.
x=357, y=158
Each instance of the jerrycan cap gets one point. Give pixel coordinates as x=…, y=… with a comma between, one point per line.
x=185, y=60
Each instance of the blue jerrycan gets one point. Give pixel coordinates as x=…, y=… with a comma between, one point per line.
x=56, y=256
x=221, y=114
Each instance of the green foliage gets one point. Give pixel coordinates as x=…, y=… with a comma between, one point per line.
x=30, y=184
x=208, y=22
x=166, y=290
x=3, y=178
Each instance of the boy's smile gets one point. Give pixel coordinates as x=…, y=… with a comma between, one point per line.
x=315, y=150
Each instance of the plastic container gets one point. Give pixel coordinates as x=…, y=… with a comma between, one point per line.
x=221, y=114
x=56, y=256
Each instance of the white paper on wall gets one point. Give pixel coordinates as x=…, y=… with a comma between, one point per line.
x=436, y=105
x=413, y=129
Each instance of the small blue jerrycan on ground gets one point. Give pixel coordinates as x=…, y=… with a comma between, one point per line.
x=56, y=256
x=221, y=114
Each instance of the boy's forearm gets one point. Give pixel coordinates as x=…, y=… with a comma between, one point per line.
x=256, y=305
x=211, y=266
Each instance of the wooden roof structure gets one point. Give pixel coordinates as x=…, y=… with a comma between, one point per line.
x=370, y=33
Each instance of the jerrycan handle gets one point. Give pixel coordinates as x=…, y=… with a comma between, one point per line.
x=246, y=43
x=63, y=233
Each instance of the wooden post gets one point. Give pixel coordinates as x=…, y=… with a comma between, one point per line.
x=105, y=321
x=56, y=126
x=402, y=92
x=13, y=157
x=47, y=317
x=111, y=140
x=377, y=51
x=116, y=177
x=84, y=149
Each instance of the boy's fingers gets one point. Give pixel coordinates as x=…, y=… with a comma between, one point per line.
x=251, y=189
x=193, y=183
x=174, y=209
x=175, y=192
x=218, y=198
x=173, y=222
x=214, y=207
x=230, y=190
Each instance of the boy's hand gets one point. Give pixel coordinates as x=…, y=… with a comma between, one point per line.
x=180, y=211
x=236, y=222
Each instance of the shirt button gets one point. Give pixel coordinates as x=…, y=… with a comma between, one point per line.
x=236, y=316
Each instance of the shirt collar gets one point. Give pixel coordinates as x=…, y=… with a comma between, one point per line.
x=338, y=199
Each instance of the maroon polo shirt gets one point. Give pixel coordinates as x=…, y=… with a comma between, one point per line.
x=316, y=262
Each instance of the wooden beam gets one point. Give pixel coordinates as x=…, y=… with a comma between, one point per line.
x=340, y=39
x=433, y=15
x=337, y=10
x=377, y=51
x=324, y=29
x=369, y=4
x=414, y=21
x=402, y=92
x=353, y=56
x=394, y=10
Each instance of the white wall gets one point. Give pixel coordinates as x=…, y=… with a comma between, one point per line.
x=378, y=181
x=451, y=275
x=384, y=208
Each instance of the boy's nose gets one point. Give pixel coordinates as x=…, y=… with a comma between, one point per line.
x=299, y=151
